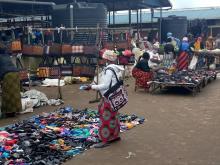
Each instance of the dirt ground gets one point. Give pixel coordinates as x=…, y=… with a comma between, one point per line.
x=179, y=129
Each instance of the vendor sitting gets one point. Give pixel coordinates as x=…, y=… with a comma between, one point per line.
x=142, y=73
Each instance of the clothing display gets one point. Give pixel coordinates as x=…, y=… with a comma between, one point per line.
x=184, y=76
x=53, y=138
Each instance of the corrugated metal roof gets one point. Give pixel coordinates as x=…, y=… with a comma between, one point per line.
x=116, y=5
x=13, y=10
x=191, y=14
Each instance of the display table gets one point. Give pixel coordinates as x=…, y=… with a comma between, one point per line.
x=201, y=80
x=194, y=88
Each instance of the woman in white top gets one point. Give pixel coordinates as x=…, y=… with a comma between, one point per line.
x=109, y=120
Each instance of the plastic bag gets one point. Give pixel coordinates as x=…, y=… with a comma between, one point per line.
x=193, y=63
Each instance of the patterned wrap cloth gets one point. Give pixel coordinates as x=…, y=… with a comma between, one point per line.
x=109, y=122
x=11, y=97
x=142, y=78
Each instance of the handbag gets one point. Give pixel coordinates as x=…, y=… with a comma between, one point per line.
x=193, y=63
x=87, y=70
x=23, y=74
x=38, y=50
x=55, y=49
x=16, y=46
x=66, y=70
x=77, y=49
x=54, y=72
x=27, y=50
x=117, y=94
x=66, y=49
x=43, y=70
x=77, y=70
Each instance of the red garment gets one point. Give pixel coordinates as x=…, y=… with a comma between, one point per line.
x=142, y=77
x=109, y=122
x=183, y=61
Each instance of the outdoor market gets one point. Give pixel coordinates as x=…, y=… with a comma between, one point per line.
x=108, y=82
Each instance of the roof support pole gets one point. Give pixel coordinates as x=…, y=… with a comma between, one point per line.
x=109, y=18
x=114, y=13
x=138, y=24
x=71, y=21
x=129, y=17
x=141, y=20
x=160, y=26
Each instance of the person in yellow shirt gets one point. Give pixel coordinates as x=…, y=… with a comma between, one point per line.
x=196, y=47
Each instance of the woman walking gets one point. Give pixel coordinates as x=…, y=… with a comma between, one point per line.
x=109, y=119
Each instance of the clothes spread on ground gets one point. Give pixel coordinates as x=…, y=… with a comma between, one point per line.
x=40, y=99
x=52, y=138
x=53, y=82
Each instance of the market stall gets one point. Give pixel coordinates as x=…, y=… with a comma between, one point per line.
x=75, y=52
x=53, y=138
x=191, y=80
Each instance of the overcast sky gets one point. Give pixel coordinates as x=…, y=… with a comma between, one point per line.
x=194, y=3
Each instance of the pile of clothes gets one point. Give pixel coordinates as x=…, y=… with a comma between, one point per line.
x=34, y=98
x=53, y=138
x=184, y=76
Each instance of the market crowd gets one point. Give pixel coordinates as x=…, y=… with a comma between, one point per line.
x=174, y=54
